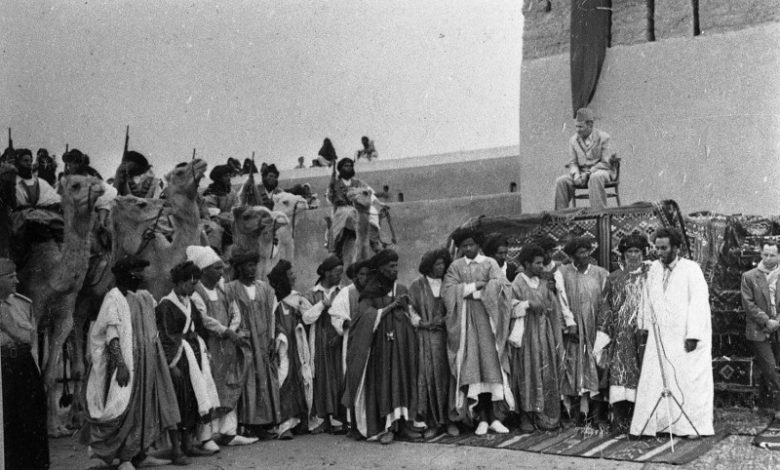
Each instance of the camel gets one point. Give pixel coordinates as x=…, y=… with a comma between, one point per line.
x=290, y=205
x=254, y=229
x=359, y=248
x=52, y=278
x=135, y=223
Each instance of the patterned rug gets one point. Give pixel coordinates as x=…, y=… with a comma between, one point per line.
x=579, y=443
x=769, y=438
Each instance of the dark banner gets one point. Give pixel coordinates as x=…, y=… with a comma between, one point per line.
x=590, y=27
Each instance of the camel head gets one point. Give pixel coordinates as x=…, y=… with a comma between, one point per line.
x=185, y=179
x=81, y=192
x=360, y=197
x=251, y=221
x=130, y=217
x=288, y=203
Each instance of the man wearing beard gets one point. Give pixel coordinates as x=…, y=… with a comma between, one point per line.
x=77, y=163
x=269, y=186
x=32, y=191
x=344, y=214
x=130, y=398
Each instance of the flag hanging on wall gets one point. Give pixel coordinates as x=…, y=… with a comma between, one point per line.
x=590, y=30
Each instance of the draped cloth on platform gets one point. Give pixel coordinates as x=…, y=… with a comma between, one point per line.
x=590, y=30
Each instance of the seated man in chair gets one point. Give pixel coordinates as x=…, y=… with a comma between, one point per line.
x=590, y=164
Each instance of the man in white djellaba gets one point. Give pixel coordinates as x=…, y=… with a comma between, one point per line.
x=678, y=297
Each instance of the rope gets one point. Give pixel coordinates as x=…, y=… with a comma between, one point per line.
x=149, y=233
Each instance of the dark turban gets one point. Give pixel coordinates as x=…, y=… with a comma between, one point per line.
x=493, y=242
x=330, y=262
x=269, y=169
x=140, y=164
x=327, y=151
x=19, y=153
x=383, y=257
x=219, y=171
x=184, y=272
x=129, y=263
x=278, y=279
x=576, y=244
x=634, y=240
x=76, y=157
x=249, y=167
x=242, y=257
x=341, y=163
x=430, y=258
x=462, y=234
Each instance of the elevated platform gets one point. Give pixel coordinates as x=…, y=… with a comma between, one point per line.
x=441, y=176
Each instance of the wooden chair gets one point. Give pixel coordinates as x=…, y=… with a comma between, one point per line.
x=614, y=184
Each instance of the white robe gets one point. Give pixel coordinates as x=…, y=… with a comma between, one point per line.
x=113, y=321
x=682, y=311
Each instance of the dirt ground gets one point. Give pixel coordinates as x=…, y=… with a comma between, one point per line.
x=338, y=452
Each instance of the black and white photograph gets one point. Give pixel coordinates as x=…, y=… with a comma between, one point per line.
x=351, y=234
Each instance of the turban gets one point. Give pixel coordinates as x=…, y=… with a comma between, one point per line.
x=278, y=279
x=269, y=169
x=242, y=257
x=330, y=262
x=430, y=258
x=584, y=115
x=129, y=263
x=202, y=256
x=6, y=266
x=76, y=157
x=140, y=164
x=219, y=171
x=462, y=234
x=343, y=161
x=576, y=244
x=383, y=257
x=184, y=272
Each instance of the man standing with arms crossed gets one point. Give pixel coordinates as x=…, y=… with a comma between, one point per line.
x=760, y=287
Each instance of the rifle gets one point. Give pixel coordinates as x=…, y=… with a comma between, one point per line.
x=127, y=141
x=10, y=140
x=330, y=243
x=249, y=196
x=67, y=148
x=193, y=153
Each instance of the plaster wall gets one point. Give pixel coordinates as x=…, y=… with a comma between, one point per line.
x=694, y=119
x=420, y=226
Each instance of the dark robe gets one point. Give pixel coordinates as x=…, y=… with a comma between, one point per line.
x=259, y=403
x=381, y=363
x=170, y=323
x=536, y=365
x=25, y=440
x=292, y=391
x=152, y=409
x=328, y=371
x=433, y=371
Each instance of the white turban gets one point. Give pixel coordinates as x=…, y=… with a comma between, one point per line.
x=202, y=256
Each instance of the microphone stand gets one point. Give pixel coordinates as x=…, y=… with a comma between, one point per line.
x=665, y=392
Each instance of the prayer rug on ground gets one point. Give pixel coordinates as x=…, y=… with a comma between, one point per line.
x=769, y=438
x=578, y=442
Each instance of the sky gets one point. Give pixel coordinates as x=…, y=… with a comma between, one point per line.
x=230, y=78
